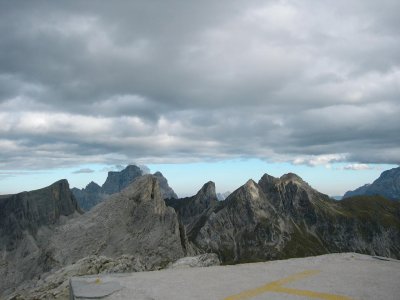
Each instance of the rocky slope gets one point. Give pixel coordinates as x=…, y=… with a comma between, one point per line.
x=93, y=194
x=135, y=222
x=387, y=185
x=285, y=217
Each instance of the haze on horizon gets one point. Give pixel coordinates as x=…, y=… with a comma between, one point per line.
x=232, y=88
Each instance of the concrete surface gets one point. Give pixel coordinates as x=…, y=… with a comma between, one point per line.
x=332, y=277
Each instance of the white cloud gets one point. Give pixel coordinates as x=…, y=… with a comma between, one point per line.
x=357, y=167
x=318, y=160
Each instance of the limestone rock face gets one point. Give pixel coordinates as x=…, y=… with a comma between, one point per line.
x=243, y=227
x=387, y=185
x=135, y=222
x=292, y=196
x=93, y=194
x=26, y=222
x=191, y=208
x=166, y=191
x=202, y=260
x=285, y=217
x=27, y=211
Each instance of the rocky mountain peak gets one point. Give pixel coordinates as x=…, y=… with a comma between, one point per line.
x=145, y=187
x=93, y=187
x=207, y=191
x=252, y=188
x=117, y=181
x=166, y=191
x=292, y=177
x=268, y=179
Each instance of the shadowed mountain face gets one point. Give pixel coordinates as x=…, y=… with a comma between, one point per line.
x=387, y=185
x=285, y=217
x=191, y=208
x=27, y=211
x=26, y=222
x=194, y=211
x=117, y=181
x=93, y=194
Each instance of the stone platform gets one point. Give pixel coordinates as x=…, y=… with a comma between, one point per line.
x=332, y=277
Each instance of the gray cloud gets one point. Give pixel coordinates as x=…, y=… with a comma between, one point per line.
x=175, y=82
x=83, y=171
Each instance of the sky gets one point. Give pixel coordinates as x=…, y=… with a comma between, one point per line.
x=200, y=90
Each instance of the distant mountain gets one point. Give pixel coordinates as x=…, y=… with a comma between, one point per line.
x=285, y=217
x=223, y=196
x=93, y=194
x=117, y=181
x=88, y=197
x=387, y=185
x=337, y=197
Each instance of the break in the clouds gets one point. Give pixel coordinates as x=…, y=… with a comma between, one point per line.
x=177, y=81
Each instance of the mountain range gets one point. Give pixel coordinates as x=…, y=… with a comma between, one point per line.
x=45, y=237
x=387, y=185
x=116, y=181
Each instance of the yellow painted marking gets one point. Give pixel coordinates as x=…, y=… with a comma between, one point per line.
x=277, y=287
x=97, y=281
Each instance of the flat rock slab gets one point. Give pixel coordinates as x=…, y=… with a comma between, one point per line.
x=343, y=276
x=93, y=288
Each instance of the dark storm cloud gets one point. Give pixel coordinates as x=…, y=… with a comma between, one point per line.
x=175, y=81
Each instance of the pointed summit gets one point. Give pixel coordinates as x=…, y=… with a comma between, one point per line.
x=166, y=191
x=292, y=177
x=117, y=181
x=191, y=208
x=207, y=192
x=93, y=187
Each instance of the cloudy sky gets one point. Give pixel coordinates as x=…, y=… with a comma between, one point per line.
x=303, y=86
